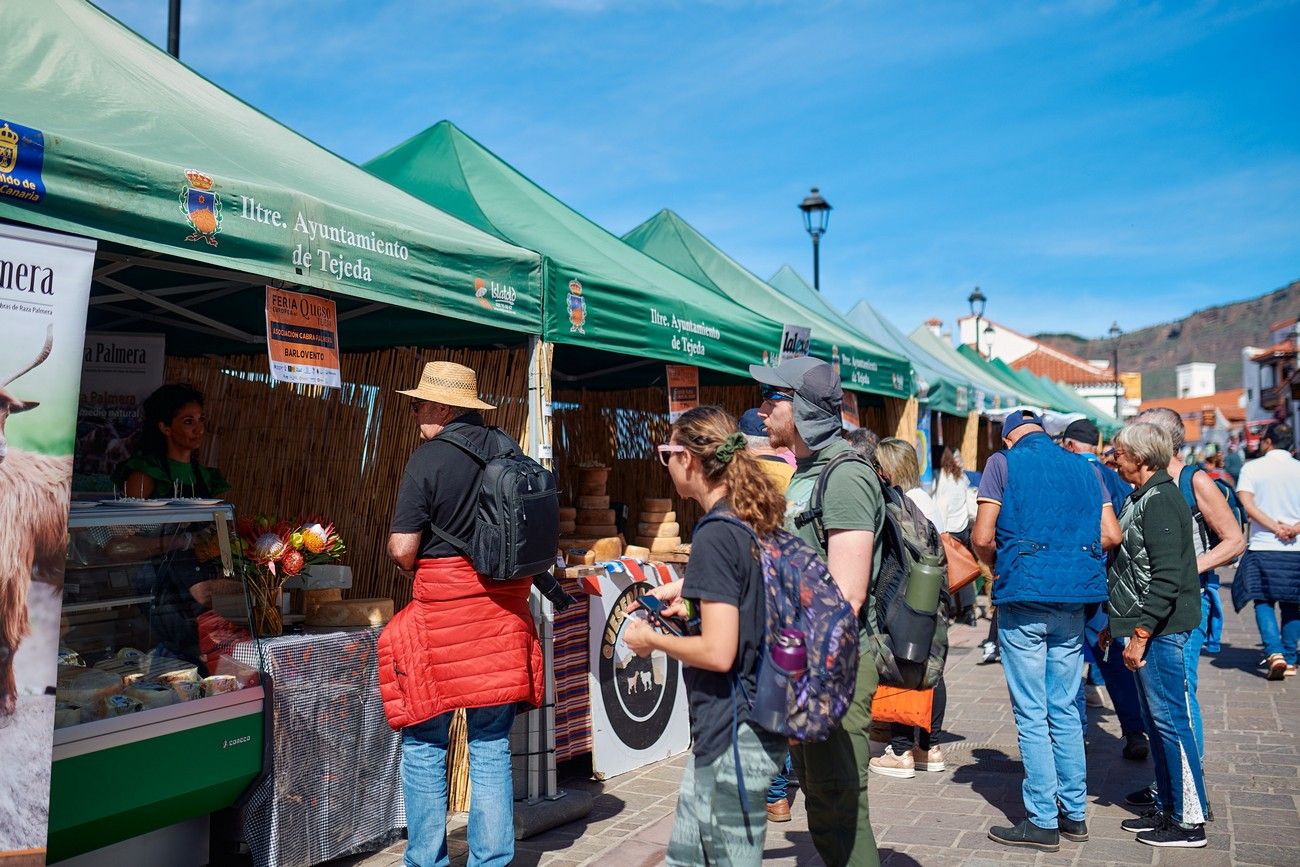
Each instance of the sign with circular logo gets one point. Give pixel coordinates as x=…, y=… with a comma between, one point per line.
x=638, y=704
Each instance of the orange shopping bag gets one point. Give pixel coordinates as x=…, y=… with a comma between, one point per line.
x=962, y=565
x=911, y=707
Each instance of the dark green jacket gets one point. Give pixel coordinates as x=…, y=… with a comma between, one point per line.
x=1153, y=581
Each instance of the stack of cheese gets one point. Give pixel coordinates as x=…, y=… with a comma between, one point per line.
x=588, y=533
x=657, y=529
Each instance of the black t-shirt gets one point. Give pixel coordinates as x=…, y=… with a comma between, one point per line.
x=441, y=486
x=724, y=567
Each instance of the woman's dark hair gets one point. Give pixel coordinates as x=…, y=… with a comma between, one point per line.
x=160, y=408
x=950, y=463
x=707, y=433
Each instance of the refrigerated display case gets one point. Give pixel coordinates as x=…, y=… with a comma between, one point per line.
x=155, y=721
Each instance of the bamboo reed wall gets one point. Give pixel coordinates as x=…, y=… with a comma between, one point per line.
x=619, y=430
x=300, y=451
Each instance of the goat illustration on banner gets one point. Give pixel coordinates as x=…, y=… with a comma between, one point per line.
x=44, y=319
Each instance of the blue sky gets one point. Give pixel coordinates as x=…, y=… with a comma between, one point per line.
x=1080, y=161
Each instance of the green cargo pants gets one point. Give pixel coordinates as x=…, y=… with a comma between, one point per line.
x=833, y=776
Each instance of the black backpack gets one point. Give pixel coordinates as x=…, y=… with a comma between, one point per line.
x=905, y=536
x=517, y=528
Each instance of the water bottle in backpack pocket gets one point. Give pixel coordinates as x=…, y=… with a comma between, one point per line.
x=779, y=671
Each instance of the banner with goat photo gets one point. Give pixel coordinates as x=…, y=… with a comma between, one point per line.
x=44, y=294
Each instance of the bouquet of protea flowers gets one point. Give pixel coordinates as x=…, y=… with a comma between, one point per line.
x=273, y=551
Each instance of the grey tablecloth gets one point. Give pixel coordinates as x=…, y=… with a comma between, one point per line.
x=335, y=787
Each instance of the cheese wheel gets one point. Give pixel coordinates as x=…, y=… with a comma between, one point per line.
x=637, y=552
x=665, y=530
x=117, y=705
x=219, y=683
x=352, y=612
x=167, y=670
x=152, y=695
x=312, y=598
x=609, y=548
x=657, y=517
x=598, y=531
x=567, y=527
x=568, y=513
x=653, y=504
x=658, y=545
x=186, y=690
x=86, y=686
x=595, y=517
x=578, y=557
x=66, y=714
x=591, y=489
x=601, y=502
x=119, y=666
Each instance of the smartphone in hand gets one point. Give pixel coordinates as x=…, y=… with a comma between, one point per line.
x=654, y=611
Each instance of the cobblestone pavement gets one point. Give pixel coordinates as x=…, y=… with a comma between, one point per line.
x=1252, y=771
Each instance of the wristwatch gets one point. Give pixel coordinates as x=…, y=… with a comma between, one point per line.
x=1142, y=632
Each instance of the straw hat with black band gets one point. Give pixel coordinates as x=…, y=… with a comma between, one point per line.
x=449, y=383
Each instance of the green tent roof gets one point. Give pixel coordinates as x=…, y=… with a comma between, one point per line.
x=120, y=141
x=991, y=393
x=1029, y=386
x=1105, y=422
x=864, y=365
x=945, y=393
x=600, y=292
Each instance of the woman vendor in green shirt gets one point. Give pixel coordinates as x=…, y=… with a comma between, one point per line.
x=166, y=461
x=166, y=465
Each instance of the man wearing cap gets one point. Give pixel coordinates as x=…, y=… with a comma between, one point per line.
x=465, y=641
x=801, y=408
x=1081, y=437
x=1043, y=525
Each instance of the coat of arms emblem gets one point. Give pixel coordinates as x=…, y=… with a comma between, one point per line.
x=8, y=149
x=202, y=207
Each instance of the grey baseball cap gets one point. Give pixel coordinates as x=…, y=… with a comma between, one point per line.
x=812, y=379
x=818, y=396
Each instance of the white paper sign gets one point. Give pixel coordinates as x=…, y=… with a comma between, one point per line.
x=795, y=342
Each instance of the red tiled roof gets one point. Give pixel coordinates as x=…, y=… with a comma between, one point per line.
x=1061, y=366
x=1227, y=402
x=1286, y=347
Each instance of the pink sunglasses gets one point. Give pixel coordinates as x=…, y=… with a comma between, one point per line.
x=667, y=450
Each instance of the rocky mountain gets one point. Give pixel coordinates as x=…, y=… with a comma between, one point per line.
x=1215, y=334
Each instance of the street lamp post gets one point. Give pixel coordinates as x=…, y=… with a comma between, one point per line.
x=174, y=28
x=1114, y=363
x=977, y=302
x=816, y=216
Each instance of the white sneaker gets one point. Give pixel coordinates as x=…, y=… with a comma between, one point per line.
x=890, y=764
x=928, y=760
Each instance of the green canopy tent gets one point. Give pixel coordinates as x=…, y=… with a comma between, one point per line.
x=864, y=366
x=1029, y=386
x=941, y=389
x=991, y=393
x=103, y=134
x=601, y=293
x=1105, y=422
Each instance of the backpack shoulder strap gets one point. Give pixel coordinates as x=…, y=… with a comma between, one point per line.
x=1185, y=486
x=452, y=434
x=815, y=511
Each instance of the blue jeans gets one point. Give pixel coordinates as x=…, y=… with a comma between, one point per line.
x=424, y=785
x=780, y=788
x=1277, y=640
x=1164, y=690
x=1111, y=671
x=1042, y=657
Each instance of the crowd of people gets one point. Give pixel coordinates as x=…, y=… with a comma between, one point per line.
x=1107, y=563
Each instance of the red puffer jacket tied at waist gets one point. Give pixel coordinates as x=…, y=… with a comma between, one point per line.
x=464, y=641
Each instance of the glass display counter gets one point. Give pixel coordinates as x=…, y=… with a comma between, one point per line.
x=155, y=722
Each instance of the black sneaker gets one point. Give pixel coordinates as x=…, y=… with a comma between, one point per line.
x=1075, y=832
x=1151, y=820
x=992, y=653
x=1175, y=836
x=1136, y=747
x=1141, y=798
x=1029, y=835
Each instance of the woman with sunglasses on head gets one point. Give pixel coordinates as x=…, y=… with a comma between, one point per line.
x=709, y=463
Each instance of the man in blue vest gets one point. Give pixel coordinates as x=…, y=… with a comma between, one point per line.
x=1043, y=524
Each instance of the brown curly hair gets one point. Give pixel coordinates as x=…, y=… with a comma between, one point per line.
x=750, y=491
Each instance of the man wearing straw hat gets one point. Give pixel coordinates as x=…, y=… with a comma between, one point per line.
x=465, y=641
